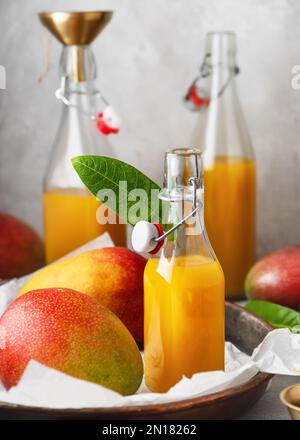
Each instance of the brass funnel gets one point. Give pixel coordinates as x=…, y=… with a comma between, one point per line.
x=76, y=28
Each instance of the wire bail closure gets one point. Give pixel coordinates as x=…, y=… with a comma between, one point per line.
x=107, y=121
x=194, y=181
x=148, y=237
x=198, y=96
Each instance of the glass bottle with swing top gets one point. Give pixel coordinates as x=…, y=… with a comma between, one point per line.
x=183, y=283
x=229, y=164
x=69, y=209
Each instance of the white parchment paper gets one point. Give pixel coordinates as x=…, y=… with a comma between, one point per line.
x=279, y=353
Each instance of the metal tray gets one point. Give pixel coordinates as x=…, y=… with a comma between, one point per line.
x=243, y=329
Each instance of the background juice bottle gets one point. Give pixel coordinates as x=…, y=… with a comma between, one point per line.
x=69, y=209
x=229, y=164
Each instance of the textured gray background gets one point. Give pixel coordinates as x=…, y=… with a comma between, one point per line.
x=147, y=56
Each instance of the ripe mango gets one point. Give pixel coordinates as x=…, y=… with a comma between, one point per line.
x=21, y=249
x=71, y=332
x=276, y=278
x=113, y=275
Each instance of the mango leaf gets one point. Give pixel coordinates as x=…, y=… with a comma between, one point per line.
x=277, y=316
x=105, y=177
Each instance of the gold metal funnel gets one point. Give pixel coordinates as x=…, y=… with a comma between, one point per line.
x=76, y=28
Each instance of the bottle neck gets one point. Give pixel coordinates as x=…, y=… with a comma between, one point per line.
x=78, y=73
x=190, y=238
x=183, y=182
x=77, y=133
x=222, y=82
x=189, y=208
x=221, y=129
x=220, y=59
x=78, y=65
x=182, y=194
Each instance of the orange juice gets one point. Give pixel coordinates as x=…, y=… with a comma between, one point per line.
x=70, y=221
x=184, y=319
x=230, y=217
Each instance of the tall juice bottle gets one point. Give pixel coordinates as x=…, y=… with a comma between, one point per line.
x=229, y=164
x=183, y=286
x=69, y=209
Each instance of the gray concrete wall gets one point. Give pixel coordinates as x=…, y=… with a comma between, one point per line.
x=146, y=58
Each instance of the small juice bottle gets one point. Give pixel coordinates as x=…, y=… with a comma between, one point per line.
x=69, y=209
x=184, y=286
x=229, y=164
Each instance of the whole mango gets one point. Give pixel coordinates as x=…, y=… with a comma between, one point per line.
x=112, y=275
x=276, y=278
x=71, y=332
x=21, y=249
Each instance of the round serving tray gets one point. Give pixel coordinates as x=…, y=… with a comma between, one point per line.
x=243, y=329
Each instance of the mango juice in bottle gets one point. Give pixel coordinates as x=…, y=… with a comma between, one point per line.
x=70, y=221
x=183, y=287
x=236, y=198
x=69, y=209
x=229, y=164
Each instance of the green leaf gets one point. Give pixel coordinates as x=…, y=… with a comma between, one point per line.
x=101, y=173
x=277, y=316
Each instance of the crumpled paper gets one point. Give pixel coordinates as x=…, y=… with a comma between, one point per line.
x=279, y=353
x=46, y=387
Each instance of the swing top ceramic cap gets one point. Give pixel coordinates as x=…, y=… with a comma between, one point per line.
x=142, y=237
x=75, y=28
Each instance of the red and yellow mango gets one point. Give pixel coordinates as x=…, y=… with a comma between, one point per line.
x=276, y=278
x=71, y=332
x=21, y=249
x=112, y=275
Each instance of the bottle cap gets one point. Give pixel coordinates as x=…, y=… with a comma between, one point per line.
x=143, y=235
x=108, y=121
